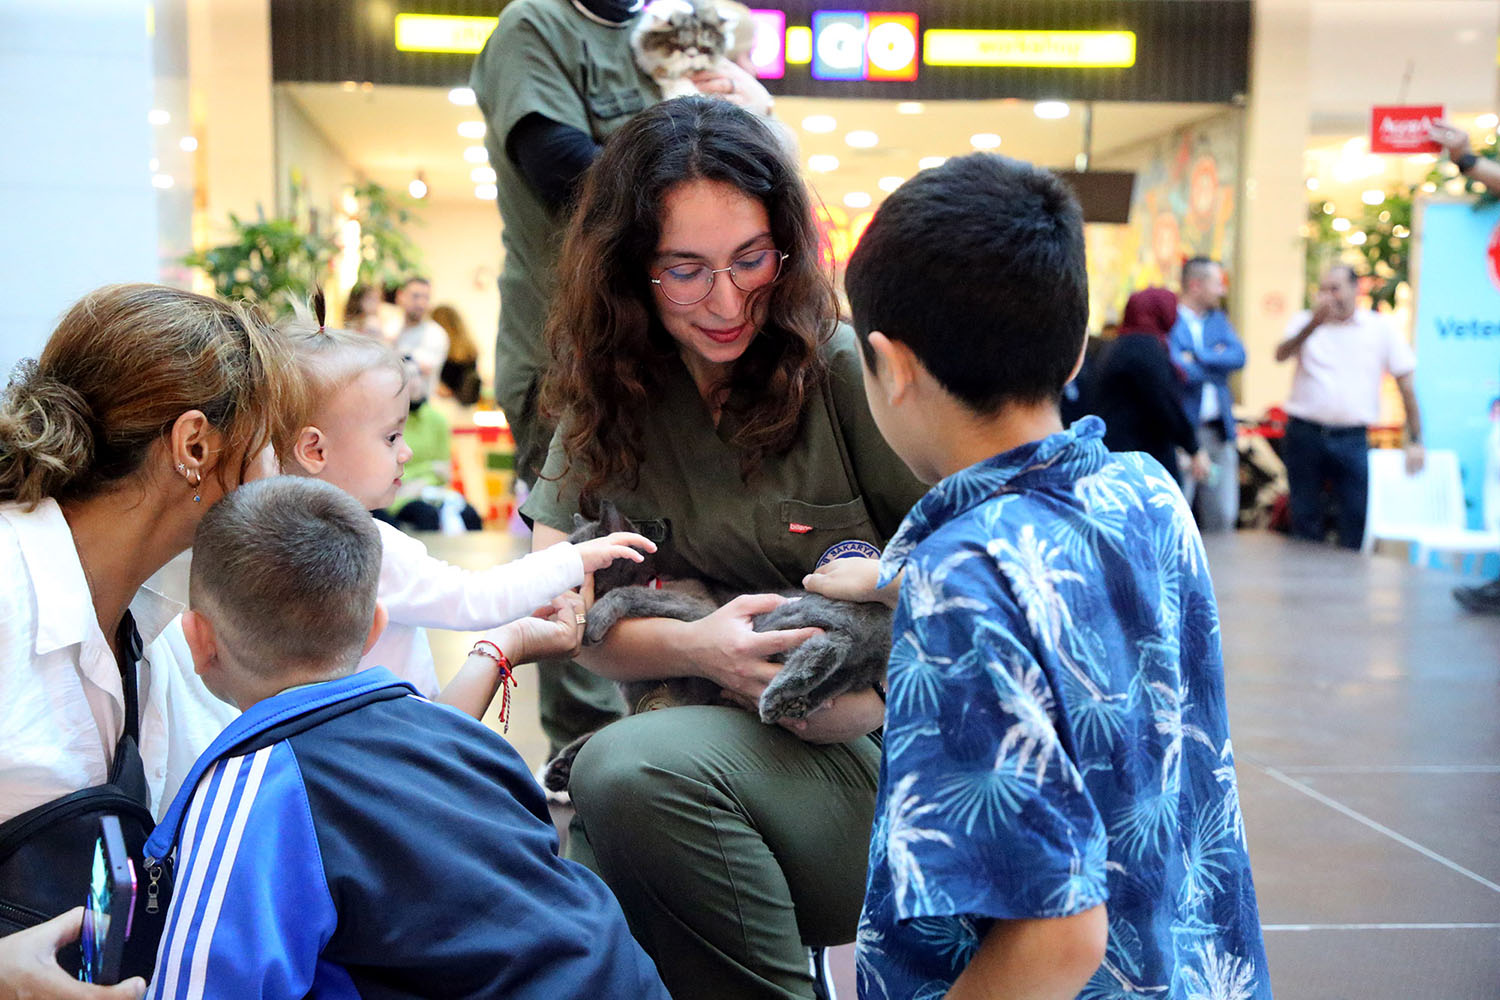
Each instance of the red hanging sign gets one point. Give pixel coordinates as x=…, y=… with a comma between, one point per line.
x=1403, y=129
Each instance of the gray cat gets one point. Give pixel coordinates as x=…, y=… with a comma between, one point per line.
x=850, y=655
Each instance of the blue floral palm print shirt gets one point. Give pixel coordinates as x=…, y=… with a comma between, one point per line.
x=1056, y=734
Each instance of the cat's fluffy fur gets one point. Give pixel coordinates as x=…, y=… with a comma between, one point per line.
x=676, y=38
x=850, y=655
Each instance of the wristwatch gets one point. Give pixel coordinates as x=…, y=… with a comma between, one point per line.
x=1465, y=162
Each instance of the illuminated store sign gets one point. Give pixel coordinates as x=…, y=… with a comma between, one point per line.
x=1069, y=49
x=856, y=45
x=768, y=51
x=442, y=33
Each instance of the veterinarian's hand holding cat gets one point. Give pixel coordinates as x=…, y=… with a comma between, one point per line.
x=735, y=85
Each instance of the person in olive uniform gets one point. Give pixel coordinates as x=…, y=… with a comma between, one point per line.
x=704, y=386
x=553, y=81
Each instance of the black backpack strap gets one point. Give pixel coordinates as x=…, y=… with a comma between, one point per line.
x=128, y=648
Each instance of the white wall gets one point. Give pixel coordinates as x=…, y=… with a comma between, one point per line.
x=80, y=210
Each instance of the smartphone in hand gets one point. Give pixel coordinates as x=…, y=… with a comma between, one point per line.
x=109, y=908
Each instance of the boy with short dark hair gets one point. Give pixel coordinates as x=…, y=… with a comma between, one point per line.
x=345, y=837
x=1057, y=812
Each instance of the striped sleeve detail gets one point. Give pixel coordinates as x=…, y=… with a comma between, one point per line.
x=246, y=829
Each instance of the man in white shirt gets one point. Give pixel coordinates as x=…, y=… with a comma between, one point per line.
x=418, y=337
x=1343, y=354
x=1207, y=351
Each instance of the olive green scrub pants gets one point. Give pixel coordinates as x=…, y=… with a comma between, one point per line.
x=732, y=846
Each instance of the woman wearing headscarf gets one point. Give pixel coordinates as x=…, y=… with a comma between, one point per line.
x=1138, y=392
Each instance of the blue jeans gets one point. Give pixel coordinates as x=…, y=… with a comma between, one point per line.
x=1315, y=455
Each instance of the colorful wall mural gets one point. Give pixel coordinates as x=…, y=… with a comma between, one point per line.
x=1185, y=203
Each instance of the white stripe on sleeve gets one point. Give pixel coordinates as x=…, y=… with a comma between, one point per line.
x=207, y=926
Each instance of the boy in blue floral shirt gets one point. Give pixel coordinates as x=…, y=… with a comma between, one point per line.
x=1057, y=813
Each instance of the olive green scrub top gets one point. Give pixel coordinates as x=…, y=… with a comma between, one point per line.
x=547, y=58
x=797, y=509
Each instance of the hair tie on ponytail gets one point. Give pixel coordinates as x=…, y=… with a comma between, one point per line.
x=320, y=307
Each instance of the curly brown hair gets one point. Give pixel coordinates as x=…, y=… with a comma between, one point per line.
x=609, y=351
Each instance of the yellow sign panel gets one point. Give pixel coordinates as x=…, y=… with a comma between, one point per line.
x=442, y=33
x=1075, y=49
x=799, y=45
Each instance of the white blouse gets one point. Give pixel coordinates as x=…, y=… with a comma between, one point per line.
x=62, y=703
x=421, y=591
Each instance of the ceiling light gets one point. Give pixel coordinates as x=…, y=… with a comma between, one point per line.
x=984, y=140
x=910, y=108
x=162, y=181
x=482, y=175
x=819, y=124
x=417, y=188
x=471, y=130
x=1372, y=197
x=857, y=199
x=862, y=139
x=462, y=96
x=485, y=192
x=476, y=154
x=1341, y=225
x=157, y=116
x=1487, y=121
x=889, y=184
x=1051, y=110
x=187, y=144
x=822, y=163
x=928, y=162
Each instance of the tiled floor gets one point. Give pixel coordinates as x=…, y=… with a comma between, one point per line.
x=1365, y=709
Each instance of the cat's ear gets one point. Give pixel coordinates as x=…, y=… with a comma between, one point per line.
x=610, y=518
x=579, y=521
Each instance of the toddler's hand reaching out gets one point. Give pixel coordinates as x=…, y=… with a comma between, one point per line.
x=598, y=553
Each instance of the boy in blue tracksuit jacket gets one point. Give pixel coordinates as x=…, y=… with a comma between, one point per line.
x=345, y=837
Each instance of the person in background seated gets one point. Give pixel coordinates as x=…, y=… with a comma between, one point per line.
x=1138, y=392
x=1207, y=351
x=417, y=337
x=425, y=500
x=365, y=841
x=459, y=375
x=1343, y=354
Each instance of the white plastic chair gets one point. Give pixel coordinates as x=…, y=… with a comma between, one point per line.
x=1425, y=510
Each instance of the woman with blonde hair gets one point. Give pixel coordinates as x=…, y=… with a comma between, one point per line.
x=146, y=406
x=460, y=372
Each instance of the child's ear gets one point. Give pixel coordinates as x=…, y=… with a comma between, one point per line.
x=1078, y=365
x=896, y=366
x=376, y=627
x=201, y=641
x=310, y=451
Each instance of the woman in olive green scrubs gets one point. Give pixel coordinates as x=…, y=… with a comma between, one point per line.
x=702, y=383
